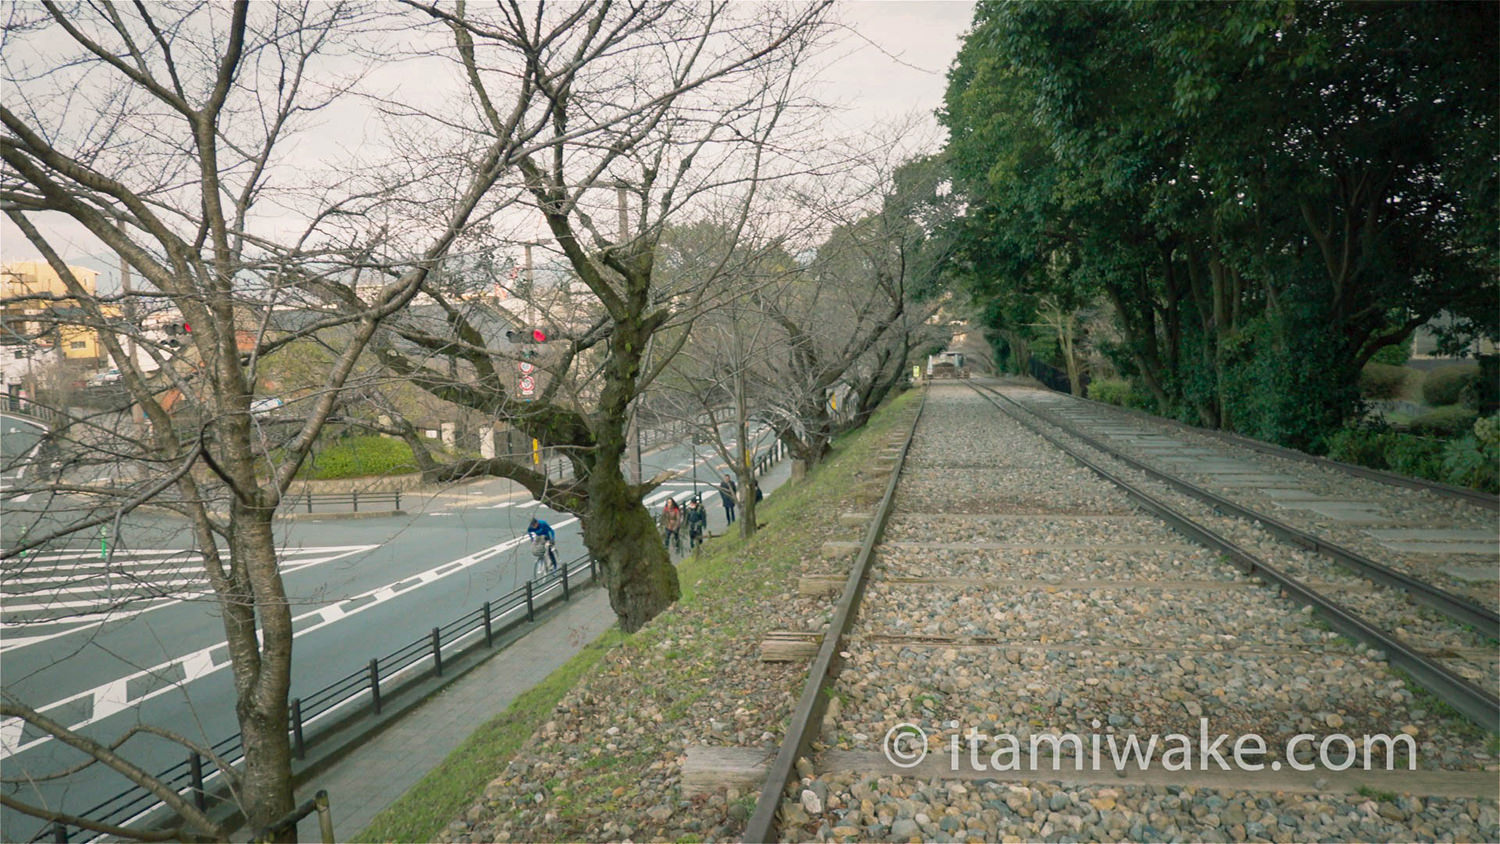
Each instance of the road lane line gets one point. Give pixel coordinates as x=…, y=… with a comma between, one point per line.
x=12, y=727
x=110, y=698
x=10, y=642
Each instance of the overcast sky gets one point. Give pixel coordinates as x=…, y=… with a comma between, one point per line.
x=893, y=63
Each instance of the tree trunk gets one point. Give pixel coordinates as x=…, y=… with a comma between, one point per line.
x=262, y=685
x=622, y=536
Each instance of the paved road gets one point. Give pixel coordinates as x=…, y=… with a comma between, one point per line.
x=100, y=646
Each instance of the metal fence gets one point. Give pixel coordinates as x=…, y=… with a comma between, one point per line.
x=769, y=457
x=317, y=716
x=27, y=407
x=305, y=502
x=320, y=715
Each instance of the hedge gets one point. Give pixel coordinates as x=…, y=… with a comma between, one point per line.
x=1449, y=421
x=1447, y=386
x=1381, y=381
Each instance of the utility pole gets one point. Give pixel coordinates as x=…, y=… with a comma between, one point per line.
x=633, y=427
x=129, y=311
x=530, y=277
x=137, y=413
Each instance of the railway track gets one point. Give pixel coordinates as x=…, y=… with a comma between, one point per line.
x=1443, y=535
x=1003, y=592
x=1457, y=655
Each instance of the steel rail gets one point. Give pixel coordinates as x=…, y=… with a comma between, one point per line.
x=1479, y=705
x=801, y=730
x=1456, y=607
x=1473, y=496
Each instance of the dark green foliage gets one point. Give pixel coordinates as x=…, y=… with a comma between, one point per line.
x=1267, y=196
x=1465, y=461
x=1110, y=390
x=1407, y=454
x=1419, y=457
x=1121, y=392
x=1360, y=446
x=1446, y=422
x=1487, y=389
x=1393, y=355
x=1382, y=381
x=1285, y=386
x=1468, y=462
x=1448, y=385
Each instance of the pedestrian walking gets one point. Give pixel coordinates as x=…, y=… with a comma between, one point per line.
x=671, y=525
x=539, y=530
x=697, y=522
x=728, y=489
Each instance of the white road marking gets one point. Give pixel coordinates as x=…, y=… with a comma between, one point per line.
x=294, y=559
x=201, y=662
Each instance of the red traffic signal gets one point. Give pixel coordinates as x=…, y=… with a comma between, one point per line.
x=527, y=335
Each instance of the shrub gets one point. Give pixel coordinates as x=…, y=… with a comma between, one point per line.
x=1360, y=446
x=1381, y=381
x=1472, y=460
x=1419, y=457
x=1468, y=461
x=1110, y=391
x=1447, y=385
x=1394, y=355
x=1444, y=422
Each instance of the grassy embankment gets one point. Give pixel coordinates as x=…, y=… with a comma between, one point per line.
x=672, y=666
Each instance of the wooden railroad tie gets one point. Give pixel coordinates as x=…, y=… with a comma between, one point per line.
x=706, y=770
x=790, y=646
x=818, y=585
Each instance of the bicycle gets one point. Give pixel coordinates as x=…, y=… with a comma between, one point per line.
x=541, y=552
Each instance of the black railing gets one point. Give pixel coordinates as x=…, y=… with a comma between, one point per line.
x=305, y=502
x=770, y=457
x=27, y=407
x=1053, y=377
x=325, y=712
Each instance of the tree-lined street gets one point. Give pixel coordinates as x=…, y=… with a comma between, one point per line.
x=140, y=641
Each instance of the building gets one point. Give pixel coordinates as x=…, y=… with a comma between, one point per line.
x=52, y=316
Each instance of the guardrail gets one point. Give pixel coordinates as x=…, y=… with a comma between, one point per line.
x=27, y=407
x=308, y=499
x=324, y=714
x=770, y=457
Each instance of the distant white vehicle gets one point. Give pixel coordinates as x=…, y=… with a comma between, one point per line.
x=263, y=406
x=108, y=376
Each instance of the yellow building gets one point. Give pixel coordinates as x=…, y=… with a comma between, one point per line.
x=34, y=318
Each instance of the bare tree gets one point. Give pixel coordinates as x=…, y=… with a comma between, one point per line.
x=163, y=132
x=851, y=320
x=698, y=91
x=713, y=383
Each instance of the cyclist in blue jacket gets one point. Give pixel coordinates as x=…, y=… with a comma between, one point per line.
x=539, y=528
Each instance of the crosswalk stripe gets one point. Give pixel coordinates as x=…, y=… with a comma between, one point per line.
x=10, y=727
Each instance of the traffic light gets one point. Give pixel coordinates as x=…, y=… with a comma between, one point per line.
x=173, y=330
x=530, y=334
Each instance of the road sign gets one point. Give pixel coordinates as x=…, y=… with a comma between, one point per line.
x=526, y=368
x=528, y=385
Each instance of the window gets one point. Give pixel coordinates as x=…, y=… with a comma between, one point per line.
x=20, y=354
x=78, y=344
